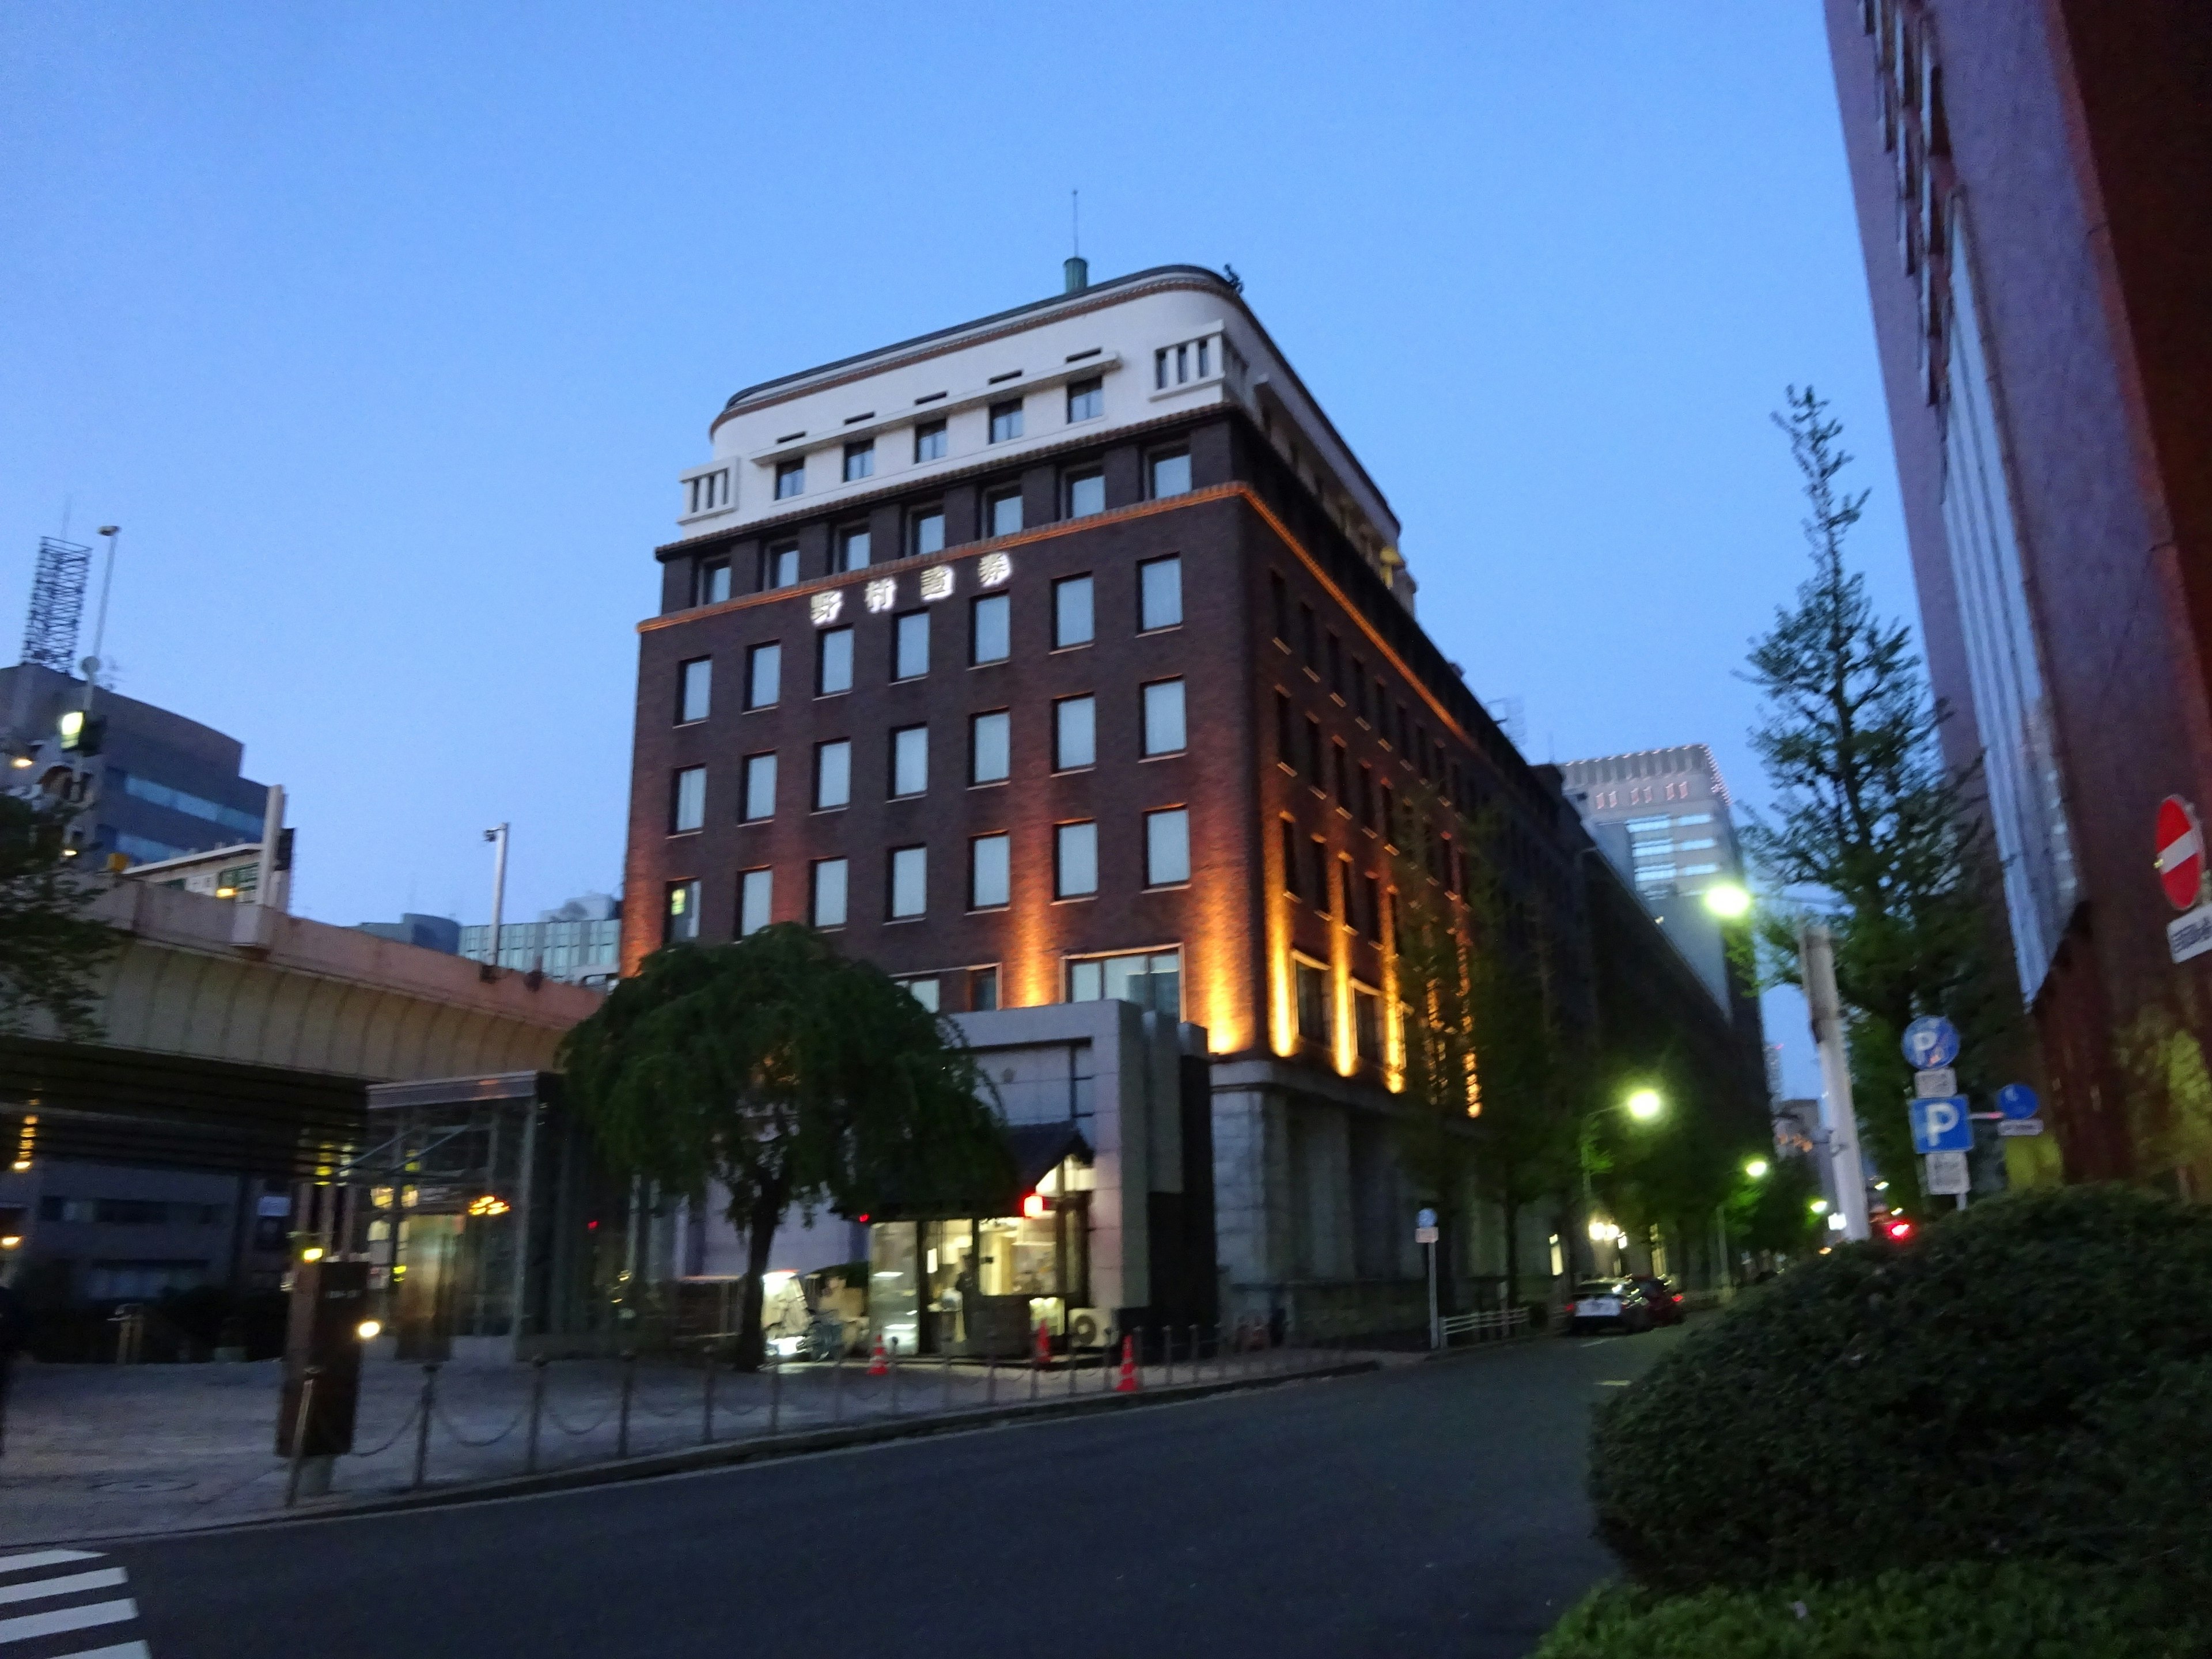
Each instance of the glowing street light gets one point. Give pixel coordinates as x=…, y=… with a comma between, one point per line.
x=1728, y=902
x=1646, y=1104
x=1756, y=1168
x=1819, y=1206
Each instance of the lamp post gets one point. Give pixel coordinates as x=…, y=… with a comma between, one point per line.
x=1644, y=1105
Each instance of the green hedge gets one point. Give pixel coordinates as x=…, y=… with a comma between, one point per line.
x=2014, y=1610
x=2031, y=1377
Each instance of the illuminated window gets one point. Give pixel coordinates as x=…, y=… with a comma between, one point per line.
x=1310, y=981
x=682, y=912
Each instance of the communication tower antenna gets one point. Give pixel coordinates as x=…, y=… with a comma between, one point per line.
x=57, y=604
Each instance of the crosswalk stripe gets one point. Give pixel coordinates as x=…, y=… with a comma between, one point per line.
x=45, y=1559
x=67, y=1584
x=63, y=1618
x=120, y=1651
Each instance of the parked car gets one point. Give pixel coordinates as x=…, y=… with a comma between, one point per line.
x=1618, y=1304
x=1666, y=1301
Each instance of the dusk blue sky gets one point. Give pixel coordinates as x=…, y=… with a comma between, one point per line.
x=383, y=333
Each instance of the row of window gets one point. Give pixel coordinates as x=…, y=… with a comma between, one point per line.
x=1151, y=979
x=906, y=885
x=852, y=547
x=1312, y=990
x=1162, y=731
x=990, y=639
x=131, y=1211
x=1087, y=401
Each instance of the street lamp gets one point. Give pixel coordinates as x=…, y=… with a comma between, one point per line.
x=1756, y=1168
x=1644, y=1105
x=1728, y=902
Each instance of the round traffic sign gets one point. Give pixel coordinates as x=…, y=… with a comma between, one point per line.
x=2018, y=1100
x=1931, y=1041
x=2180, y=852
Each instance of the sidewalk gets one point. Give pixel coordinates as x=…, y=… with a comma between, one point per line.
x=102, y=1451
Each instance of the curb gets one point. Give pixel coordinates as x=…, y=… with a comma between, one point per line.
x=765, y=1449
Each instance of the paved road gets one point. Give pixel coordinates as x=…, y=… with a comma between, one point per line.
x=1426, y=1509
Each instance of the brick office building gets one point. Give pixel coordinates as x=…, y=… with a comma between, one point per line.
x=1067, y=655
x=2034, y=190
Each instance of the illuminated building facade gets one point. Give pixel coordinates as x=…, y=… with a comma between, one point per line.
x=1069, y=655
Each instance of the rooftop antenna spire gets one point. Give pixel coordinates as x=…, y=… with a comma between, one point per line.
x=1076, y=272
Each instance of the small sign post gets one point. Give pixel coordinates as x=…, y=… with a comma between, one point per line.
x=2180, y=841
x=1942, y=1131
x=1425, y=1235
x=1948, y=1173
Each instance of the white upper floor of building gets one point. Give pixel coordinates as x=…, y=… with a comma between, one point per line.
x=1095, y=360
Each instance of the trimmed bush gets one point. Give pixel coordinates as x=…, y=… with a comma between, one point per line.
x=2031, y=1377
x=1983, y=1611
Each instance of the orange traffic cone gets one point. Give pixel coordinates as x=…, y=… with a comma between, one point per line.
x=1127, y=1382
x=879, y=1366
x=1043, y=1343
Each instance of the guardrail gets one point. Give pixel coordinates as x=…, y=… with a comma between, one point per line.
x=1496, y=1324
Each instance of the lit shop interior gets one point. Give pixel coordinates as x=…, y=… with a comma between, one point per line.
x=980, y=1285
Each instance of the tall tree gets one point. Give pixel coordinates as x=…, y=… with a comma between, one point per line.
x=50, y=949
x=1870, y=829
x=1483, y=1036
x=789, y=1074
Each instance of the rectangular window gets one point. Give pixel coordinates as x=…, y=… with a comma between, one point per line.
x=928, y=441
x=990, y=872
x=1075, y=860
x=1341, y=775
x=681, y=913
x=833, y=774
x=833, y=661
x=1311, y=980
x=790, y=479
x=1367, y=1024
x=1170, y=475
x=1293, y=875
x=1086, y=399
x=1317, y=851
x=687, y=800
x=1389, y=816
x=712, y=584
x=756, y=899
x=926, y=531
x=854, y=548
x=1070, y=611
x=760, y=789
x=778, y=566
x=1163, y=722
x=1285, y=751
x=1086, y=493
x=763, y=675
x=859, y=461
x=923, y=989
x=909, y=883
x=1002, y=513
x=982, y=990
x=1371, y=890
x=909, y=761
x=694, y=683
x=826, y=899
x=910, y=645
x=1313, y=756
x=990, y=746
x=990, y=633
x=1365, y=810
x=1074, y=734
x=1151, y=979
x=1159, y=593
x=1007, y=421
x=1167, y=846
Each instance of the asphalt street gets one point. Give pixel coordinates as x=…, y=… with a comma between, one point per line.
x=1430, y=1509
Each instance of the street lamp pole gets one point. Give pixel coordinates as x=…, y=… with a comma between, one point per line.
x=1816, y=953
x=497, y=836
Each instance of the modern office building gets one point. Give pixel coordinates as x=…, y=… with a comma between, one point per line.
x=580, y=942
x=2034, y=194
x=1662, y=817
x=1069, y=655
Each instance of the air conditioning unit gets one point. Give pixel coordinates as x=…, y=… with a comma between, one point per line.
x=1086, y=1327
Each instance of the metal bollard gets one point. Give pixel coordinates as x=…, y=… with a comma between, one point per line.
x=536, y=1409
x=628, y=1383
x=706, y=1427
x=774, y=1394
x=423, y=1428
x=300, y=1435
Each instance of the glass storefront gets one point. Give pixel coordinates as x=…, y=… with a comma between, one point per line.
x=980, y=1285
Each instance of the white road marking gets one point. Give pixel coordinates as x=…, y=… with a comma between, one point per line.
x=45, y=1559
x=67, y=1584
x=120, y=1651
x=62, y=1619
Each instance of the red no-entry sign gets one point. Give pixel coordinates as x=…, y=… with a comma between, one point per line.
x=2180, y=852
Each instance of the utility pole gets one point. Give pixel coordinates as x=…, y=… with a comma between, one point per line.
x=498, y=836
x=110, y=533
x=1816, y=955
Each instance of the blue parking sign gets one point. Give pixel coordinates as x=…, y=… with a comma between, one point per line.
x=1940, y=1124
x=2018, y=1100
x=1931, y=1041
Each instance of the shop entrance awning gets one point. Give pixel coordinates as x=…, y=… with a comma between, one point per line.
x=1033, y=1151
